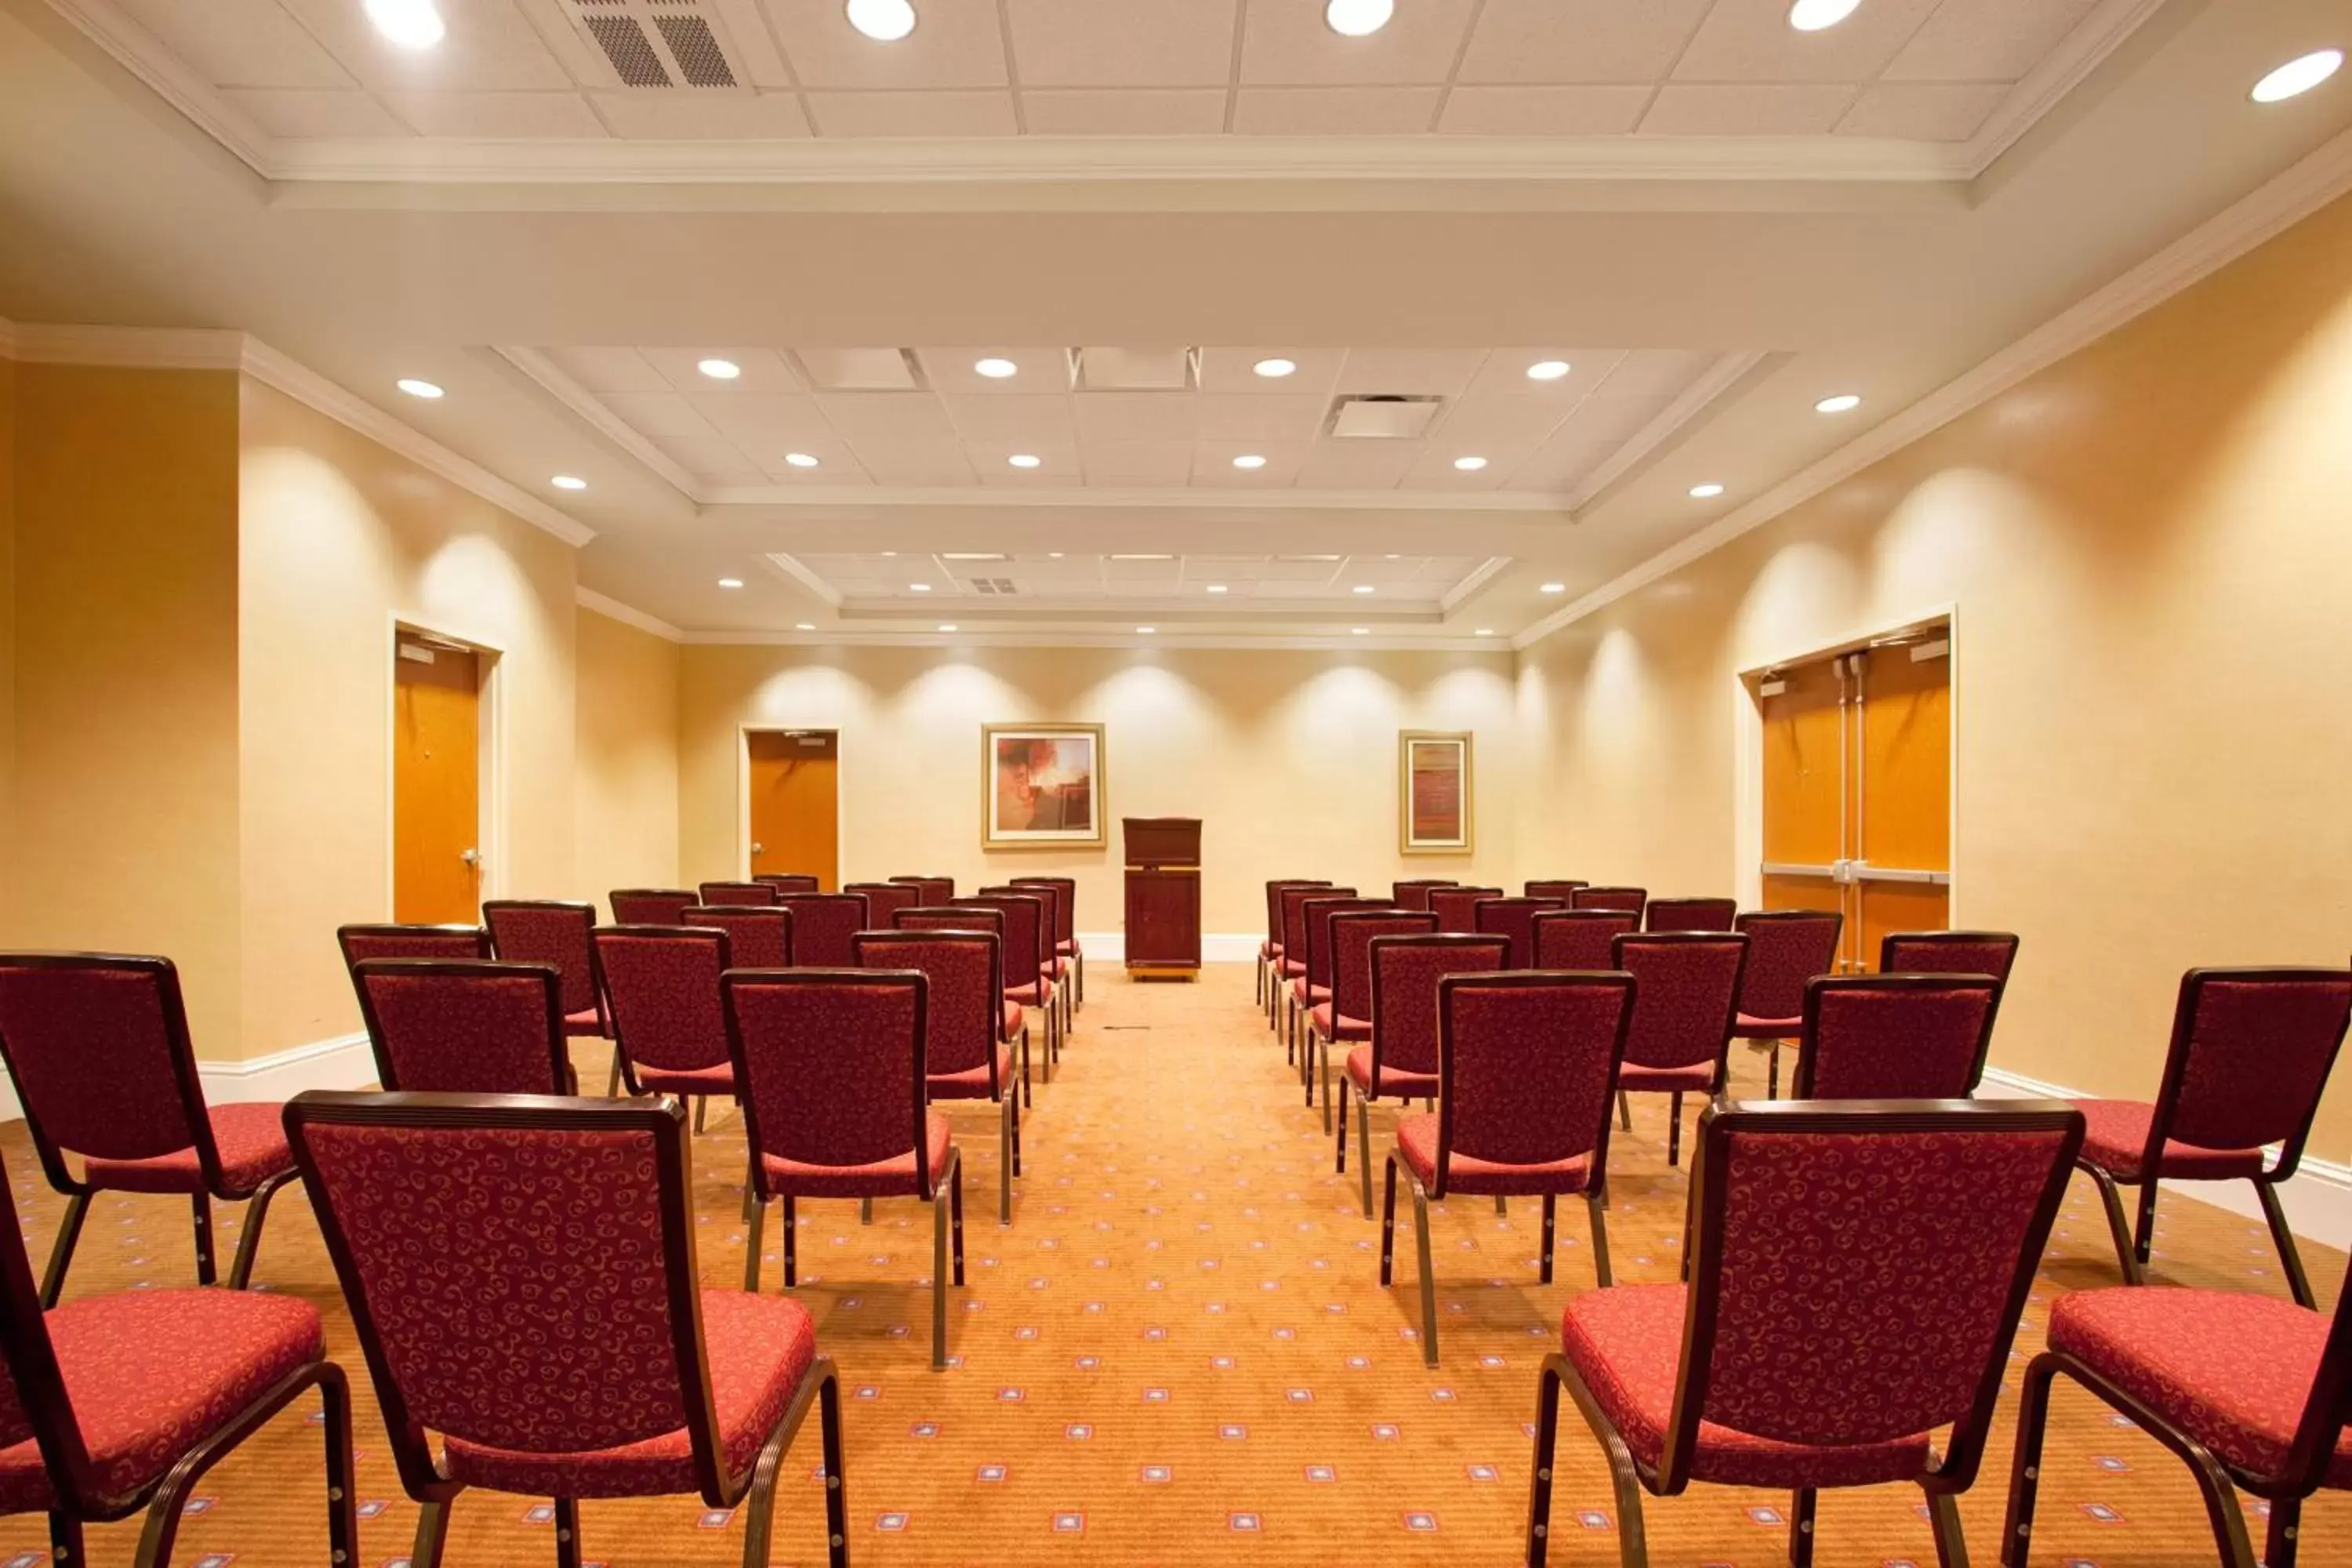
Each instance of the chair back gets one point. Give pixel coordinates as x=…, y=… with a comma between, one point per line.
x=884, y=899
x=98, y=1046
x=651, y=906
x=964, y=1006
x=829, y=1064
x=1689, y=996
x=1066, y=903
x=1354, y=931
x=2252, y=1051
x=1581, y=939
x=949, y=917
x=1859, y=1268
x=931, y=890
x=1457, y=908
x=1294, y=915
x=548, y=930
x=464, y=1025
x=359, y=941
x=1054, y=897
x=1527, y=1061
x=1785, y=948
x=757, y=937
x=466, y=1233
x=1631, y=900
x=1414, y=895
x=789, y=882
x=1895, y=1037
x=1515, y=918
x=1317, y=913
x=822, y=925
x=1691, y=914
x=748, y=895
x=1992, y=952
x=34, y=1400
x=1028, y=932
x=661, y=987
x=1274, y=928
x=1405, y=975
x=1561, y=888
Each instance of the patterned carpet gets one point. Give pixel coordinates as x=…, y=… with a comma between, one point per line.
x=1179, y=1353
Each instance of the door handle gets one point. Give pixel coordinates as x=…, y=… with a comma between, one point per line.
x=757, y=847
x=470, y=857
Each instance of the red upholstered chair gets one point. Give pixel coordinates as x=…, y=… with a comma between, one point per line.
x=669, y=1027
x=1691, y=914
x=470, y=1234
x=359, y=941
x=98, y=1046
x=836, y=1098
x=1275, y=949
x=113, y=1403
x=1526, y=1059
x=822, y=925
x=1067, y=950
x=967, y=1046
x=1992, y=952
x=1290, y=965
x=1632, y=900
x=1785, y=948
x=1062, y=961
x=758, y=937
x=787, y=883
x=1399, y=1059
x=651, y=906
x=2252, y=1049
x=1581, y=939
x=1514, y=918
x=884, y=899
x=755, y=895
x=1895, y=1037
x=1681, y=1031
x=1561, y=888
x=546, y=930
x=1313, y=985
x=1457, y=909
x=1346, y=1016
x=465, y=1025
x=2251, y=1391
x=1414, y=895
x=977, y=918
x=1860, y=1268
x=1028, y=953
x=932, y=890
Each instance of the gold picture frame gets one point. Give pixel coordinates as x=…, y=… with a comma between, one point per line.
x=1436, y=793
x=1042, y=787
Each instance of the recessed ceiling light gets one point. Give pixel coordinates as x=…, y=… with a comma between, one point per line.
x=1363, y=587
x=890, y=554
x=800, y=459
x=1360, y=631
x=1249, y=460
x=719, y=369
x=1843, y=402
x=1483, y=631
x=1146, y=631
x=1053, y=555
x=568, y=482
x=1271, y=368
x=883, y=21
x=411, y=23
x=1548, y=370
x=919, y=587
x=415, y=388
x=805, y=627
x=1216, y=587
x=1024, y=460
x=996, y=369
x=731, y=582
x=2298, y=76
x=1553, y=588
x=1357, y=18
x=1143, y=557
x=1706, y=492
x=1813, y=15
x=947, y=625
x=1469, y=465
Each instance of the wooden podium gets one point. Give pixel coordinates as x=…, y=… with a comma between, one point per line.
x=1163, y=897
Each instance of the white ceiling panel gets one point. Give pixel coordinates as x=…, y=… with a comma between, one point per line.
x=1505, y=373
x=1088, y=43
x=240, y=43
x=1655, y=373
x=1987, y=40
x=1035, y=370
x=1924, y=111
x=1750, y=40
x=1358, y=465
x=1335, y=111
x=610, y=370
x=887, y=114
x=1129, y=112
x=303, y=112
x=1288, y=43
x=498, y=116
x=702, y=116
x=762, y=370
x=1130, y=464
x=1499, y=420
x=759, y=421
x=1212, y=464
x=1243, y=416
x=861, y=417
x=1158, y=417
x=1445, y=373
x=665, y=417
x=1579, y=40
x=490, y=47
x=1029, y=416
x=1685, y=109
x=917, y=464
x=1236, y=370
x=956, y=43
x=1057, y=462
x=1543, y=111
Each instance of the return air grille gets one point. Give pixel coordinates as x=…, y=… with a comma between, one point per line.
x=997, y=585
x=696, y=49
x=657, y=43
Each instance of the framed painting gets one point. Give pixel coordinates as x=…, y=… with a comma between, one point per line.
x=1042, y=786
x=1433, y=791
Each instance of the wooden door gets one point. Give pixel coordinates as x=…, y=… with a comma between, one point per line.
x=436, y=780
x=1805, y=712
x=1903, y=799
x=796, y=804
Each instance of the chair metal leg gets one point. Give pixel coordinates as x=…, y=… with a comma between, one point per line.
x=1543, y=1264
x=1259, y=985
x=1540, y=1487
x=866, y=1211
x=938, y=1284
x=751, y=1198
x=2144, y=1237
x=613, y=1080
x=701, y=1110
x=955, y=1213
x=1428, y=1274
x=792, y=1243
x=1772, y=1070
x=758, y=1223
x=200, y=1205
x=760, y=1498
x=1674, y=1128
x=248, y=1240
x=1502, y=1204
x=1004, y=1165
x=1323, y=1050
x=1801, y=1528
x=836, y=1488
x=1944, y=1519
x=1339, y=1144
x=2286, y=1525
x=2025, y=1465
x=1388, y=1224
x=567, y=1532
x=342, y=1503
x=1596, y=1208
x=2289, y=1258
x=2126, y=1254
x=1625, y=1111
x=1364, y=1147
x=1632, y=1546
x=1014, y=1106
x=61, y=1251
x=1028, y=1094
x=432, y=1535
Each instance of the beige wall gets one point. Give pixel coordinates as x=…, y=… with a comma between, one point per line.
x=1290, y=758
x=8, y=873
x=2149, y=550
x=625, y=815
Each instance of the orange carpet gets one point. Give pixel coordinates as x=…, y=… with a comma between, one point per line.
x=1179, y=1353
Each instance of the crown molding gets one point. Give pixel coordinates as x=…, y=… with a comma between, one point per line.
x=2286, y=199
x=591, y=408
x=130, y=348
x=1496, y=648
x=1719, y=378
x=612, y=609
x=1101, y=498
x=147, y=58
x=2060, y=72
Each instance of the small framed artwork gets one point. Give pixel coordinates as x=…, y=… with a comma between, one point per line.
x=1042, y=786
x=1434, y=791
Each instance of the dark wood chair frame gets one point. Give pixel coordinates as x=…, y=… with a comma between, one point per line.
x=623, y=1066
x=1068, y=908
x=560, y=1070
x=1291, y=1008
x=790, y=881
x=1886, y=964
x=1269, y=971
x=395, y=931
x=1008, y=1096
x=1639, y=898
x=1534, y=904
x=1320, y=1044
x=1617, y=947
x=1770, y=1045
x=1561, y=888
x=687, y=897
x=984, y=898
x=586, y=915
x=1321, y=945
x=1430, y=938
x=1730, y=908
x=1801, y=1081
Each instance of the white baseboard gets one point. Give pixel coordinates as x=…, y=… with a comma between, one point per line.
x=1216, y=947
x=2318, y=1197
x=342, y=1061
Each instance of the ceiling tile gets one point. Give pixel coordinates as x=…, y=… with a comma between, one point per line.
x=1655, y=372
x=1212, y=464
x=1358, y=465
x=1058, y=462
x=609, y=370
x=491, y=45
x=915, y=463
x=1134, y=368
x=1137, y=416
x=1987, y=40
x=763, y=370
x=1610, y=419
x=1924, y=111
x=655, y=116
x=1443, y=372
x=883, y=114
x=1751, y=41
x=310, y=112
x=1561, y=465
x=1137, y=463
x=1087, y=43
x=1488, y=422
x=855, y=368
x=1543, y=111
x=836, y=464
x=1505, y=373
x=1683, y=109
x=1233, y=369
x=1029, y=418
x=535, y=116
x=956, y=43
x=240, y=43
x=1335, y=111
x=1035, y=370
x=1579, y=40
x=766, y=424
x=1288, y=42
x=863, y=416
x=1436, y=469
x=1170, y=112
x=1249, y=416
x=664, y=417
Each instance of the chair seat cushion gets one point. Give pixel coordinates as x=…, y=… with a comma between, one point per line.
x=2229, y=1368
x=1069, y=945
x=1268, y=950
x=1030, y=996
x=1308, y=996
x=154, y=1373
x=1627, y=1343
x=583, y=1022
x=884, y=1178
x=1011, y=1019
x=2115, y=1139
x=1697, y=1079
x=760, y=1347
x=1338, y=1028
x=719, y=1079
x=1394, y=1081
x=1293, y=969
x=250, y=1138
x=1751, y=1027
x=972, y=1082
x=1417, y=1140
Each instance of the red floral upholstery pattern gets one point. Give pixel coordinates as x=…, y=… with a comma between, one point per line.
x=1414, y=895
x=1785, y=948
x=1467, y=1173
x=663, y=990
x=1690, y=914
x=1028, y=948
x=1749, y=1025
x=92, y=1051
x=719, y=1081
x=1339, y=1027
x=249, y=1138
x=1631, y=900
x=1868, y=1043
x=1394, y=1082
x=1515, y=918
x=1581, y=939
x=525, y=932
x=1012, y=1017
x=360, y=942
x=930, y=889
x=150, y=1373
x=1351, y=959
x=469, y=1030
x=830, y=1070
x=756, y=938
x=964, y=1011
x=651, y=906
x=1666, y=1080
x=1294, y=918
x=760, y=1348
x=974, y=1082
x=893, y=1177
x=2232, y=1370
x=1457, y=909
x=882, y=899
x=1682, y=1007
x=2259, y=1051
x=1530, y=1070
x=1865, y=1278
x=754, y=894
x=1404, y=997
x=1627, y=1343
x=2115, y=1140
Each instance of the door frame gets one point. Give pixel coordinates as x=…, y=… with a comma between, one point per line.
x=743, y=733
x=1748, y=749
x=489, y=750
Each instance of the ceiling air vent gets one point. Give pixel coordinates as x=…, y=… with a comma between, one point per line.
x=996, y=586
x=658, y=43
x=1383, y=418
